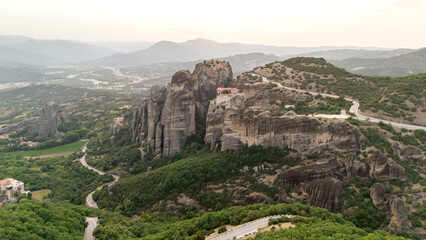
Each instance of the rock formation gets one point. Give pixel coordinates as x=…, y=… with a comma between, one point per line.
x=313, y=171
x=233, y=125
x=46, y=125
x=384, y=168
x=411, y=154
x=117, y=126
x=326, y=193
x=172, y=114
x=378, y=195
x=399, y=221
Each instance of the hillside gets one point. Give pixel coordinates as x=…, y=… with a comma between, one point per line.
x=62, y=50
x=11, y=56
x=398, y=98
x=20, y=74
x=341, y=54
x=160, y=52
x=402, y=65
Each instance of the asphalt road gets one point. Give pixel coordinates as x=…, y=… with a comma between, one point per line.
x=92, y=221
x=354, y=108
x=246, y=228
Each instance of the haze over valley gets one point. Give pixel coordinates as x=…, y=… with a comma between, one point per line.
x=212, y=120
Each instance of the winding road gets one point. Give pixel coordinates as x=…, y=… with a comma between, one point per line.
x=354, y=108
x=246, y=228
x=93, y=221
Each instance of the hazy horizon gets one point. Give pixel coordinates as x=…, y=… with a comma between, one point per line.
x=388, y=24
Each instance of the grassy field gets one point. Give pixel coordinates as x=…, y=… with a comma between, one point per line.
x=72, y=147
x=38, y=195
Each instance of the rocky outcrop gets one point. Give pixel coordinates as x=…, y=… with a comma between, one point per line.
x=117, y=127
x=46, y=125
x=236, y=126
x=314, y=171
x=399, y=221
x=255, y=198
x=326, y=193
x=138, y=121
x=384, y=168
x=355, y=167
x=378, y=195
x=21, y=126
x=178, y=111
x=411, y=154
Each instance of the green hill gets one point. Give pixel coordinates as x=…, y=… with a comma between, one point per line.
x=396, y=98
x=402, y=65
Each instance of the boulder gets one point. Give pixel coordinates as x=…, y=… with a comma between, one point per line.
x=255, y=198
x=411, y=154
x=326, y=193
x=399, y=221
x=384, y=168
x=378, y=195
x=313, y=171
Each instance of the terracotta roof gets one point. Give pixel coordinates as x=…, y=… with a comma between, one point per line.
x=5, y=181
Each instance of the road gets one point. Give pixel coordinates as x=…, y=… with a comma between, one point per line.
x=93, y=221
x=88, y=232
x=246, y=228
x=354, y=108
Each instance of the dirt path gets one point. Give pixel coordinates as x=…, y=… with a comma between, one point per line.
x=62, y=154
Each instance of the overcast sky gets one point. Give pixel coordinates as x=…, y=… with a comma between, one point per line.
x=385, y=23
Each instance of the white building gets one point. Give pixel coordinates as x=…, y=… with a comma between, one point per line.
x=10, y=186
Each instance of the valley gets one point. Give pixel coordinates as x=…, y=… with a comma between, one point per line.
x=156, y=152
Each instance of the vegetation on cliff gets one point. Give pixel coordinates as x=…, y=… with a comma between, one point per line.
x=395, y=97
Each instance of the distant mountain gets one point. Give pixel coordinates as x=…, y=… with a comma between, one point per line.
x=123, y=47
x=62, y=50
x=402, y=65
x=15, y=57
x=340, y=54
x=12, y=39
x=160, y=52
x=197, y=49
x=161, y=73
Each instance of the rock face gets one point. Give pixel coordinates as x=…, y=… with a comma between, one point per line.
x=162, y=122
x=21, y=126
x=326, y=193
x=46, y=125
x=116, y=127
x=378, y=195
x=399, y=221
x=51, y=117
x=411, y=154
x=384, y=168
x=234, y=125
x=314, y=171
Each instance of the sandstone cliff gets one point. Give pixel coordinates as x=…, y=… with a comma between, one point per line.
x=233, y=125
x=162, y=122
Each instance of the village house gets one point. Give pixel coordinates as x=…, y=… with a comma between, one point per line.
x=29, y=143
x=9, y=187
x=4, y=137
x=119, y=120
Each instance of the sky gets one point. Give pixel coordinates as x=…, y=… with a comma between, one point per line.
x=381, y=23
